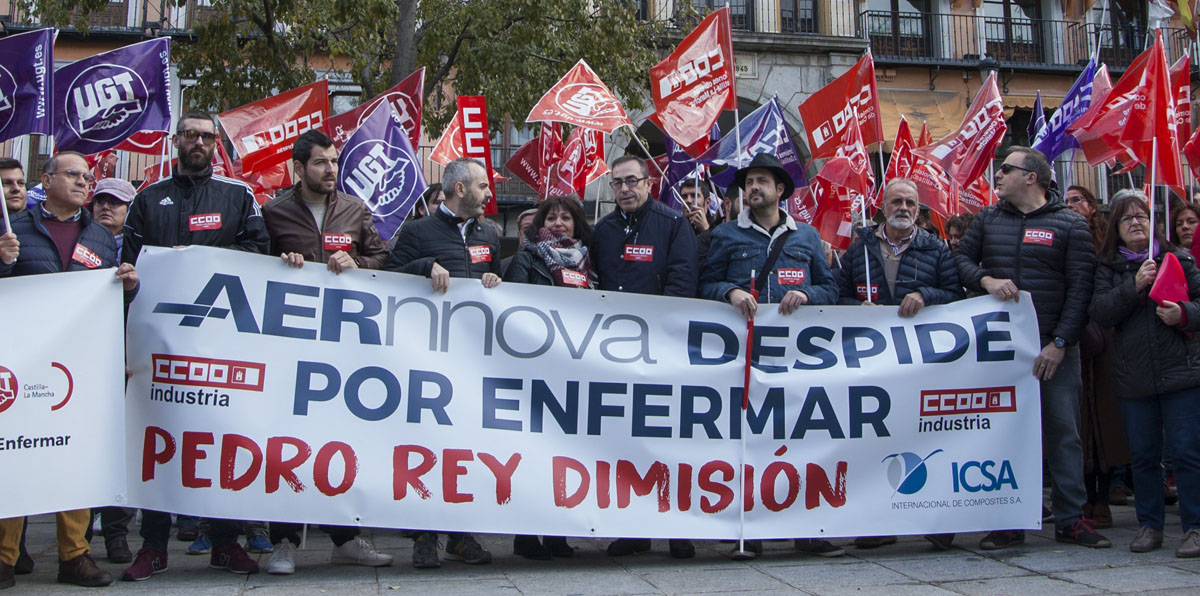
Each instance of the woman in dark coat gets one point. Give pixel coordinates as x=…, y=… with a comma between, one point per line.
x=1156, y=374
x=555, y=254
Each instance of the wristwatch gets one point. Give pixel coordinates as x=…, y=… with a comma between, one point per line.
x=1060, y=343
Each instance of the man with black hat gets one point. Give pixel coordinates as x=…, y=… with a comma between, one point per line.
x=644, y=247
x=788, y=265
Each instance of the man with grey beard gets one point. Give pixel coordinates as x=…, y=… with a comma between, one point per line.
x=910, y=268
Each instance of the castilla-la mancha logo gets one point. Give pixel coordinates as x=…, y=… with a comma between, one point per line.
x=8, y=388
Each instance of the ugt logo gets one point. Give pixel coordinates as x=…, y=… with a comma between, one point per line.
x=103, y=102
x=8, y=91
x=907, y=472
x=378, y=174
x=8, y=388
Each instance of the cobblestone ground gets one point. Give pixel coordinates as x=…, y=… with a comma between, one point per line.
x=910, y=567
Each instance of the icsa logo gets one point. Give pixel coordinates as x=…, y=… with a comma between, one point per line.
x=587, y=101
x=986, y=476
x=8, y=388
x=378, y=173
x=8, y=93
x=104, y=101
x=907, y=472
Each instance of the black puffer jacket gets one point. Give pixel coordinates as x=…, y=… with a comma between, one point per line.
x=1046, y=252
x=673, y=269
x=926, y=267
x=95, y=248
x=1149, y=357
x=528, y=268
x=436, y=238
x=195, y=210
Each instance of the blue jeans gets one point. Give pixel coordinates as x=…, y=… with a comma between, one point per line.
x=1060, y=440
x=1177, y=416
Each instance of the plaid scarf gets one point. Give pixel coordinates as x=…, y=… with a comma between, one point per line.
x=560, y=252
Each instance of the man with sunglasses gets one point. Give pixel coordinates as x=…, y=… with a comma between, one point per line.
x=193, y=207
x=1032, y=241
x=644, y=247
x=54, y=236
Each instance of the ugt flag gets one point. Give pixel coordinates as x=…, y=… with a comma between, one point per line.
x=1052, y=139
x=102, y=100
x=26, y=66
x=379, y=166
x=762, y=131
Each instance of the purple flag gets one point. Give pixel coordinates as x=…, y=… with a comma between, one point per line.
x=379, y=166
x=1053, y=139
x=1037, y=119
x=102, y=100
x=26, y=69
x=762, y=131
x=680, y=167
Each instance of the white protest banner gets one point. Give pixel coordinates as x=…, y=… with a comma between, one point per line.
x=62, y=372
x=263, y=392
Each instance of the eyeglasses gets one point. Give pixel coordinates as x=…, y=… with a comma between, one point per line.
x=76, y=175
x=1006, y=168
x=1128, y=219
x=207, y=138
x=630, y=182
x=1075, y=200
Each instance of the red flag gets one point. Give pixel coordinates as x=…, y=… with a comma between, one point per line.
x=550, y=146
x=406, y=97
x=582, y=162
x=937, y=190
x=147, y=142
x=263, y=132
x=900, y=164
x=449, y=146
x=695, y=83
x=966, y=153
x=476, y=142
x=655, y=180
x=150, y=173
x=525, y=164
x=1098, y=129
x=925, y=138
x=1151, y=116
x=976, y=196
x=1181, y=83
x=695, y=149
x=103, y=164
x=850, y=168
x=582, y=99
x=1192, y=152
x=827, y=111
x=825, y=208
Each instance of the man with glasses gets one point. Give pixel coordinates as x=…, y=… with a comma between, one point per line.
x=1031, y=241
x=192, y=207
x=59, y=235
x=644, y=247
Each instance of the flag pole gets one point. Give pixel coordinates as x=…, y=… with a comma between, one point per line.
x=745, y=406
x=1153, y=167
x=661, y=173
x=4, y=208
x=867, y=253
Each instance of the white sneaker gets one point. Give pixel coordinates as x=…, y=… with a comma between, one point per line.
x=359, y=552
x=283, y=559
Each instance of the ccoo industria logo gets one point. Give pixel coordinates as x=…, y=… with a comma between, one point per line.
x=105, y=101
x=380, y=174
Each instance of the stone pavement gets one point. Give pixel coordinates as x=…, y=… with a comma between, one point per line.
x=911, y=567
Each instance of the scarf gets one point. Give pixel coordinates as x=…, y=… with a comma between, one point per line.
x=559, y=253
x=1139, y=256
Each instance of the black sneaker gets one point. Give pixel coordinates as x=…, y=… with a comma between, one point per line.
x=24, y=564
x=425, y=551
x=941, y=541
x=998, y=539
x=1082, y=533
x=818, y=547
x=627, y=546
x=681, y=549
x=118, y=550
x=530, y=548
x=463, y=547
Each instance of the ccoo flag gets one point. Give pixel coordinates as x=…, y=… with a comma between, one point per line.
x=102, y=100
x=26, y=67
x=379, y=166
x=691, y=86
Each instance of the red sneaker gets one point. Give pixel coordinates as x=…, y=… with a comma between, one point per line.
x=147, y=562
x=232, y=557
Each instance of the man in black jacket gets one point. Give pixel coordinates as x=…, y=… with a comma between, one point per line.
x=643, y=246
x=451, y=242
x=1034, y=243
x=192, y=207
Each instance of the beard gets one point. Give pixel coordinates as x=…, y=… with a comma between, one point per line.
x=195, y=160
x=901, y=223
x=317, y=185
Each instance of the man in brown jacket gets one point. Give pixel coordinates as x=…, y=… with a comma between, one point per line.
x=313, y=222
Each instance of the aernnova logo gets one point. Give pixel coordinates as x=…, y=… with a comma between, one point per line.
x=985, y=400
x=8, y=388
x=907, y=472
x=173, y=369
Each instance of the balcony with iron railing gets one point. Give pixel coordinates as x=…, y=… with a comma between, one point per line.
x=777, y=20
x=1018, y=44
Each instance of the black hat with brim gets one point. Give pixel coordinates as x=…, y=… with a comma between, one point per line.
x=766, y=161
